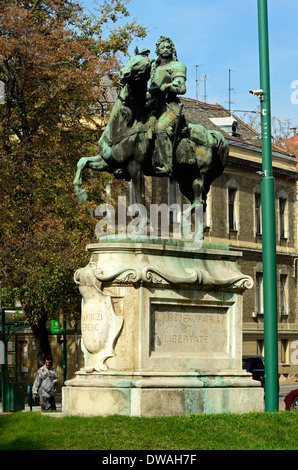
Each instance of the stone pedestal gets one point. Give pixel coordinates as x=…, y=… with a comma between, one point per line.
x=161, y=332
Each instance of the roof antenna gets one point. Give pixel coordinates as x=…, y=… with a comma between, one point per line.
x=230, y=90
x=197, y=80
x=205, y=87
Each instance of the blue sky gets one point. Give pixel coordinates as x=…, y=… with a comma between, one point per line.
x=222, y=35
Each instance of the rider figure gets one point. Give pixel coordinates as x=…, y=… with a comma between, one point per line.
x=168, y=78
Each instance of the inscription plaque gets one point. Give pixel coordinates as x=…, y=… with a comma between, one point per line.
x=188, y=328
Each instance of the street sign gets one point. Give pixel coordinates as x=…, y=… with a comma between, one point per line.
x=14, y=316
x=55, y=327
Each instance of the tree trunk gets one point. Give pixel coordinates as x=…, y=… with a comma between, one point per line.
x=40, y=334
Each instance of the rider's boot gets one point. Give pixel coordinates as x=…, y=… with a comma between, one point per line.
x=163, y=154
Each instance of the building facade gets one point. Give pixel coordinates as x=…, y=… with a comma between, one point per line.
x=234, y=217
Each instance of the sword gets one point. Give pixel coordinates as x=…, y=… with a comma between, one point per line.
x=177, y=128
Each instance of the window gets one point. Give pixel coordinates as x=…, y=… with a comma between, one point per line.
x=283, y=219
x=23, y=359
x=208, y=211
x=232, y=193
x=282, y=211
x=232, y=202
x=283, y=294
x=258, y=215
x=284, y=353
x=259, y=292
x=260, y=347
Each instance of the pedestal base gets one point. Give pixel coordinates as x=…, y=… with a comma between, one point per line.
x=161, y=332
x=162, y=395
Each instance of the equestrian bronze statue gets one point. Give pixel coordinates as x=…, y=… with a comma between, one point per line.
x=147, y=134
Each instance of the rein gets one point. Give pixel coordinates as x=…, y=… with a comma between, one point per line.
x=119, y=139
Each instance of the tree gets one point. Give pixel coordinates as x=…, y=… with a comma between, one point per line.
x=280, y=130
x=54, y=61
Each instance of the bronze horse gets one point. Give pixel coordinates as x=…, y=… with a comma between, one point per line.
x=127, y=144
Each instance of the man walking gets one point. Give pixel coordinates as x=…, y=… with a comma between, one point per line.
x=45, y=382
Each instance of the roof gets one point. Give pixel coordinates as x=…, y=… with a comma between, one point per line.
x=208, y=116
x=238, y=134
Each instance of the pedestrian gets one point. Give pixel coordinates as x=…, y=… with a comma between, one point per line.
x=45, y=382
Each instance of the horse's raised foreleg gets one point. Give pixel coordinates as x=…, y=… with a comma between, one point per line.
x=97, y=163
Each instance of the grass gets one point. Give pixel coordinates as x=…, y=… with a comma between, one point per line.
x=255, y=431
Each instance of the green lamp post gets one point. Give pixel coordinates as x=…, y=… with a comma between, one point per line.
x=268, y=220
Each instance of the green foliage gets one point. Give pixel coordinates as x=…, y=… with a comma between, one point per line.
x=53, y=59
x=255, y=431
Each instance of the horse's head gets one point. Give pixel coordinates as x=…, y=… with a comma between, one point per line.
x=137, y=70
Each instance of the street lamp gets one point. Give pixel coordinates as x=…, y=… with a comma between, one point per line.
x=268, y=218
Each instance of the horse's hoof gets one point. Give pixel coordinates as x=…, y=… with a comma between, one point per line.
x=82, y=196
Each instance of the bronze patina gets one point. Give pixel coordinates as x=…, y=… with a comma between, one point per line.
x=147, y=134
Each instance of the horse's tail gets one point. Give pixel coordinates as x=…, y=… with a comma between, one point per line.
x=220, y=152
x=221, y=148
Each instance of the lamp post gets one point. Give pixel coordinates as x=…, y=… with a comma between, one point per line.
x=64, y=352
x=268, y=220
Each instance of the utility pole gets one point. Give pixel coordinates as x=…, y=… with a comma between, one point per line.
x=64, y=352
x=268, y=220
